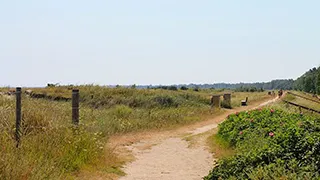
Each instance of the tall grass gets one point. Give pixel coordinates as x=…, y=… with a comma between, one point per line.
x=50, y=146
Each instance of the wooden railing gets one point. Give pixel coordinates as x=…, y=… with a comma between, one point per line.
x=300, y=106
x=304, y=97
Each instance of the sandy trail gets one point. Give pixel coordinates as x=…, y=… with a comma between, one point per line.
x=167, y=155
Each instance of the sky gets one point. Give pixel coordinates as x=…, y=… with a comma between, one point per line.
x=156, y=41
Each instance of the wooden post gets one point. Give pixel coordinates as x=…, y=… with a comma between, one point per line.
x=18, y=115
x=215, y=101
x=227, y=100
x=75, y=106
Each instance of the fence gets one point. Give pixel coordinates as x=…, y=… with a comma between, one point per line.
x=304, y=97
x=300, y=106
x=75, y=111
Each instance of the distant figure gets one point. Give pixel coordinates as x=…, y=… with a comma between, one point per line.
x=280, y=93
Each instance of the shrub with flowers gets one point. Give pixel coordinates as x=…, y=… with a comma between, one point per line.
x=270, y=144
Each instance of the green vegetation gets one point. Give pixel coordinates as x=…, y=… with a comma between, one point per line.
x=220, y=147
x=249, y=89
x=269, y=144
x=184, y=88
x=274, y=84
x=309, y=82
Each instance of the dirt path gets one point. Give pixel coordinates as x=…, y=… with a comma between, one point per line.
x=170, y=154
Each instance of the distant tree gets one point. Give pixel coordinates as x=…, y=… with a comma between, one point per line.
x=308, y=82
x=133, y=86
x=118, y=86
x=253, y=89
x=183, y=88
x=163, y=87
x=309, y=85
x=196, y=89
x=249, y=89
x=172, y=88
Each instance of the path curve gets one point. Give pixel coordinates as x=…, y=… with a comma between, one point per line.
x=168, y=156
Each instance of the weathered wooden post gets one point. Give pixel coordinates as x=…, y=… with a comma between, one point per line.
x=75, y=106
x=227, y=100
x=215, y=101
x=18, y=115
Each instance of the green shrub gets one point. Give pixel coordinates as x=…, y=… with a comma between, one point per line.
x=268, y=139
x=166, y=101
x=173, y=88
x=184, y=88
x=122, y=112
x=197, y=89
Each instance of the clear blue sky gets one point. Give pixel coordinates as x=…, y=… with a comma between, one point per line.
x=156, y=42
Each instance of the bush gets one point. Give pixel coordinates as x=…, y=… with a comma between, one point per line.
x=166, y=101
x=249, y=89
x=173, y=88
x=266, y=140
x=184, y=88
x=122, y=112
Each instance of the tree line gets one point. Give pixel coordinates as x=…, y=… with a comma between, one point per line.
x=286, y=84
x=309, y=81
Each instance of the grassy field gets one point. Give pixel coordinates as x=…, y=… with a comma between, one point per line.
x=51, y=148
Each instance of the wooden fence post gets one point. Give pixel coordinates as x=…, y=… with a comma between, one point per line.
x=227, y=100
x=75, y=106
x=18, y=115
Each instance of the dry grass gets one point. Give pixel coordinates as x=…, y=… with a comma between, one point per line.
x=50, y=147
x=236, y=97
